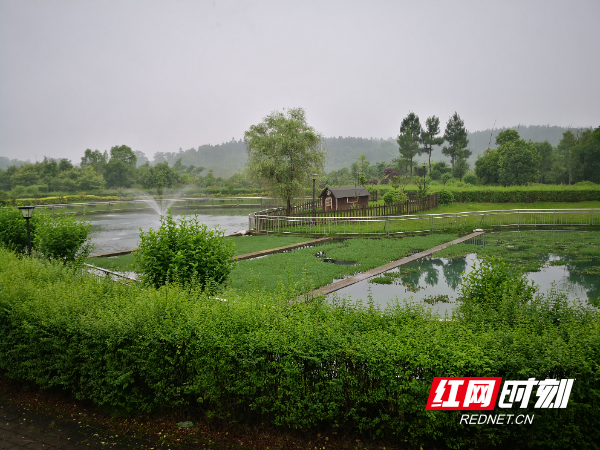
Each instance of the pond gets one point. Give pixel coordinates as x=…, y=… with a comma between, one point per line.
x=570, y=262
x=121, y=230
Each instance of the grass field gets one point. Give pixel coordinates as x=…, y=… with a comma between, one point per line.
x=243, y=245
x=303, y=269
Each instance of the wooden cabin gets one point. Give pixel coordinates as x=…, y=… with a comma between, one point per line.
x=345, y=197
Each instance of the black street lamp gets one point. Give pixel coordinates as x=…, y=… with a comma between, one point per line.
x=27, y=212
x=314, y=178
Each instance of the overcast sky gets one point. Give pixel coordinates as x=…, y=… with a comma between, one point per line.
x=160, y=75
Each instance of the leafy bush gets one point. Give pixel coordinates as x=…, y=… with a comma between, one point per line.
x=520, y=194
x=446, y=177
x=13, y=229
x=394, y=196
x=62, y=237
x=497, y=286
x=312, y=365
x=445, y=197
x=470, y=178
x=586, y=183
x=188, y=253
x=59, y=236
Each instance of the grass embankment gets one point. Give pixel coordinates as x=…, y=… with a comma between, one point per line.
x=243, y=245
x=309, y=366
x=464, y=207
x=301, y=268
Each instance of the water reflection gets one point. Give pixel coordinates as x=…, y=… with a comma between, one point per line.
x=428, y=279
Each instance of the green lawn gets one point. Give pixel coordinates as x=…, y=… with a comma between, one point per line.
x=243, y=245
x=302, y=268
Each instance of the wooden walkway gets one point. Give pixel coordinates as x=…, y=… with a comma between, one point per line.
x=235, y=258
x=280, y=249
x=389, y=266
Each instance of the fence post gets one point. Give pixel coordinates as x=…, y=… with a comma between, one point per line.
x=387, y=226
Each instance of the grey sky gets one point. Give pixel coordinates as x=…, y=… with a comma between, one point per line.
x=160, y=75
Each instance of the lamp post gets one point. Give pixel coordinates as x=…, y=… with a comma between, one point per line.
x=314, y=208
x=27, y=212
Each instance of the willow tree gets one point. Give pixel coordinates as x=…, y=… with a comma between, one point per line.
x=284, y=151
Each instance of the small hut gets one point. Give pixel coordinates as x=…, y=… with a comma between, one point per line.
x=345, y=197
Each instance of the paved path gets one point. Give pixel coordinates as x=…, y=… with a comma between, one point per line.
x=26, y=429
x=389, y=266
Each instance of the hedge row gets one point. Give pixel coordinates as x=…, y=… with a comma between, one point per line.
x=522, y=195
x=258, y=359
x=65, y=199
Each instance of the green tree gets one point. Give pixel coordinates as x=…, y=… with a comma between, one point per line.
x=487, y=166
x=120, y=169
x=586, y=157
x=456, y=135
x=518, y=163
x=26, y=175
x=429, y=136
x=159, y=177
x=64, y=165
x=123, y=153
x=565, y=152
x=89, y=180
x=461, y=167
x=140, y=157
x=96, y=159
x=547, y=156
x=506, y=136
x=409, y=138
x=48, y=170
x=284, y=151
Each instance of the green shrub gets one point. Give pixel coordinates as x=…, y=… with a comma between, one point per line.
x=394, y=196
x=187, y=252
x=13, y=229
x=470, y=178
x=62, y=237
x=520, y=194
x=445, y=197
x=446, y=177
x=257, y=358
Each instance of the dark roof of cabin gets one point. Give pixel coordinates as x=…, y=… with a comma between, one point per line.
x=346, y=191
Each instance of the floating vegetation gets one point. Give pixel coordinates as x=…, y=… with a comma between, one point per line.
x=436, y=298
x=559, y=262
x=382, y=280
x=592, y=270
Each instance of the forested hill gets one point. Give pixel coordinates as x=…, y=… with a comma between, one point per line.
x=230, y=157
x=227, y=158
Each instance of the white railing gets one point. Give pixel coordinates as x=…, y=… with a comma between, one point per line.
x=419, y=223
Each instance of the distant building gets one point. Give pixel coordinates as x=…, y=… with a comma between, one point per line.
x=345, y=197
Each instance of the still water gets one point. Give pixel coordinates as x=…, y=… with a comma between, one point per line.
x=427, y=279
x=121, y=230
